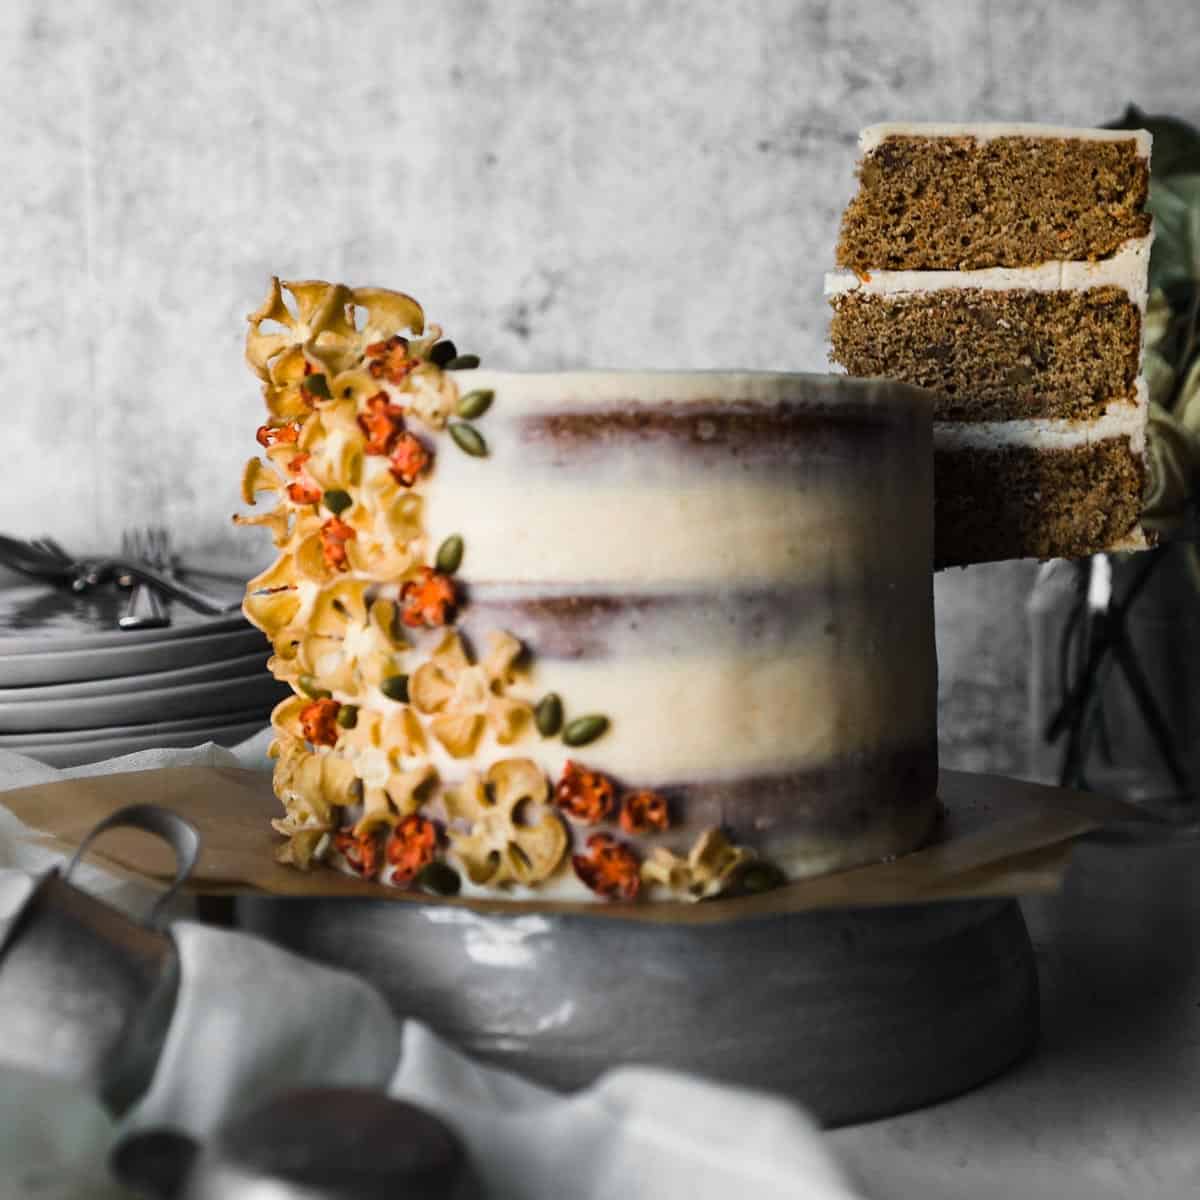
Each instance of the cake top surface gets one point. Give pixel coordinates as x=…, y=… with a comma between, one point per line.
x=984, y=131
x=529, y=393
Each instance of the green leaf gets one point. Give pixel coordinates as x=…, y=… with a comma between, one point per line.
x=1157, y=320
x=1175, y=203
x=1160, y=377
x=1176, y=143
x=1187, y=407
x=1172, y=452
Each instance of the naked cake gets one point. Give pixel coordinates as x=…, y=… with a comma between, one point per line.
x=1004, y=267
x=586, y=635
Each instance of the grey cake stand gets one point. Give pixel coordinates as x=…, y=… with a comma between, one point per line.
x=855, y=1013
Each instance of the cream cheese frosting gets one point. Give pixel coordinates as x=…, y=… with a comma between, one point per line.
x=1127, y=270
x=984, y=131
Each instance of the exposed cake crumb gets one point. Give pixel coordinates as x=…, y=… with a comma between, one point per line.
x=996, y=355
x=954, y=203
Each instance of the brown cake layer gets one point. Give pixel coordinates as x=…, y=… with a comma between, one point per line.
x=954, y=202
x=728, y=437
x=864, y=806
x=610, y=625
x=1041, y=503
x=840, y=800
x=996, y=355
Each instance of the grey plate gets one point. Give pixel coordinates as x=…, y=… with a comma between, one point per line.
x=15, y=741
x=229, y=668
x=857, y=1014
x=217, y=697
x=114, y=661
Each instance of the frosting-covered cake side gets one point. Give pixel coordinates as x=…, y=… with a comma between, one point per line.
x=593, y=634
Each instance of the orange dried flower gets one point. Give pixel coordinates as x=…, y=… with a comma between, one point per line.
x=318, y=720
x=411, y=846
x=277, y=435
x=610, y=868
x=335, y=533
x=644, y=811
x=585, y=795
x=382, y=423
x=305, y=490
x=408, y=459
x=361, y=852
x=389, y=360
x=429, y=600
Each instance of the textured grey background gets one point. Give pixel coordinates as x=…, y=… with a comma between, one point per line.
x=648, y=182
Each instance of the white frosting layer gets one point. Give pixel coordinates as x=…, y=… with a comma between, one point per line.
x=648, y=514
x=1119, y=420
x=587, y=531
x=987, y=131
x=730, y=714
x=1127, y=269
x=734, y=713
x=848, y=523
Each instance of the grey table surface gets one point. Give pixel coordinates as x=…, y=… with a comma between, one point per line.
x=1109, y=1104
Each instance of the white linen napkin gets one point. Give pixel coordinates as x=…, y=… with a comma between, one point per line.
x=252, y=1019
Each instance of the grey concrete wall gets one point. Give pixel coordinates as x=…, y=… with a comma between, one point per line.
x=646, y=182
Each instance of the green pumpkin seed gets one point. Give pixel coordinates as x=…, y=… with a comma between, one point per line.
x=760, y=877
x=583, y=730
x=475, y=404
x=395, y=687
x=463, y=362
x=443, y=353
x=309, y=686
x=337, y=501
x=438, y=878
x=468, y=439
x=318, y=385
x=347, y=716
x=548, y=716
x=450, y=555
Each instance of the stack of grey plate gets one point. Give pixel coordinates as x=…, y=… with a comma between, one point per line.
x=75, y=688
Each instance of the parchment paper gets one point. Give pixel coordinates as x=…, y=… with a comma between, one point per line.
x=999, y=837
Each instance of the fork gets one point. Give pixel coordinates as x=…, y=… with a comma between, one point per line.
x=79, y=574
x=144, y=610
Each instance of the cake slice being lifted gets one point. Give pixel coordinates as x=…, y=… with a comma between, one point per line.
x=1004, y=267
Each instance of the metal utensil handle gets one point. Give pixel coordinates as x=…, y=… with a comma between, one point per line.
x=180, y=835
x=97, y=570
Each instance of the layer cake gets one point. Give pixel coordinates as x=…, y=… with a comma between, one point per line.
x=1004, y=267
x=590, y=634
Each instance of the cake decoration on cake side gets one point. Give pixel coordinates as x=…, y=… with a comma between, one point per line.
x=590, y=635
x=1004, y=267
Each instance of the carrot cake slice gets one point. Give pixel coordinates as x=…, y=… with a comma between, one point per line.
x=1004, y=267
